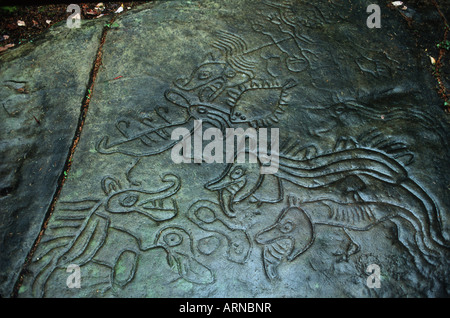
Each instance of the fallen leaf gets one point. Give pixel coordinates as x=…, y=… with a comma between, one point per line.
x=22, y=90
x=120, y=9
x=20, y=23
x=100, y=6
x=432, y=59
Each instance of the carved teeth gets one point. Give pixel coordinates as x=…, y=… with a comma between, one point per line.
x=264, y=84
x=255, y=84
x=234, y=93
x=233, y=188
x=159, y=204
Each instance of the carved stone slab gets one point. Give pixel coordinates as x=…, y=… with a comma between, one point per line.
x=362, y=177
x=42, y=86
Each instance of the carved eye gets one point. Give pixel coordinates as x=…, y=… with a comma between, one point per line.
x=237, y=248
x=110, y=185
x=202, y=110
x=287, y=227
x=230, y=73
x=173, y=239
x=202, y=75
x=339, y=109
x=237, y=172
x=129, y=200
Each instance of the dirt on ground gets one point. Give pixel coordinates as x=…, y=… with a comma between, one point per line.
x=429, y=25
x=21, y=24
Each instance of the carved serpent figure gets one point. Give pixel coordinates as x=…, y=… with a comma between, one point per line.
x=352, y=189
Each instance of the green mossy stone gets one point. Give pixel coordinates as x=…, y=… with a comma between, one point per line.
x=364, y=141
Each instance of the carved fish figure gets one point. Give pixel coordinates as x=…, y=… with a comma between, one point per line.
x=257, y=102
x=272, y=97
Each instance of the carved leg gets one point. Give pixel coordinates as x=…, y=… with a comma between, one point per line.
x=351, y=247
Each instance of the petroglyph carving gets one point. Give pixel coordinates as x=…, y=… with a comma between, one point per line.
x=145, y=136
x=81, y=234
x=224, y=90
x=152, y=204
x=181, y=257
x=207, y=215
x=125, y=268
x=291, y=235
x=208, y=245
x=239, y=182
x=215, y=75
x=279, y=23
x=294, y=231
x=272, y=95
x=80, y=229
x=273, y=79
x=354, y=189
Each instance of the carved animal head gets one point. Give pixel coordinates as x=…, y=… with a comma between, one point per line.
x=207, y=112
x=156, y=205
x=171, y=237
x=210, y=79
x=294, y=225
x=237, y=182
x=177, y=243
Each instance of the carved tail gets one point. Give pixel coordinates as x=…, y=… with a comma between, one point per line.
x=328, y=168
x=431, y=220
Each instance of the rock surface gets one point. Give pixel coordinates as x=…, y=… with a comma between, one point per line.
x=42, y=86
x=362, y=174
